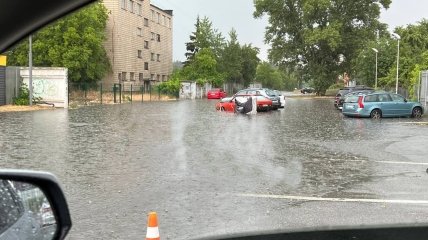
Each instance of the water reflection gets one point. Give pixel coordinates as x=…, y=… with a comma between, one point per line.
x=25, y=212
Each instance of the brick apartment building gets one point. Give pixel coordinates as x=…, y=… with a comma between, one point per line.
x=139, y=42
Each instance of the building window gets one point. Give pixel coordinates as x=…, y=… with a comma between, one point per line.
x=131, y=76
x=123, y=76
x=152, y=77
x=153, y=36
x=158, y=37
x=164, y=20
x=146, y=22
x=131, y=6
x=140, y=77
x=158, y=78
x=163, y=78
x=139, y=9
x=123, y=4
x=153, y=57
x=153, y=15
x=139, y=32
x=146, y=44
x=119, y=76
x=146, y=66
x=158, y=18
x=158, y=58
x=140, y=54
x=169, y=22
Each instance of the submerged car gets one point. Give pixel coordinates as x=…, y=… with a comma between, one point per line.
x=216, y=93
x=307, y=90
x=266, y=92
x=281, y=98
x=381, y=104
x=229, y=104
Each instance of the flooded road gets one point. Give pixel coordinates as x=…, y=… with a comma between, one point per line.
x=208, y=172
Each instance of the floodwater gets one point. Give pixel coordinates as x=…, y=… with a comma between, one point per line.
x=209, y=173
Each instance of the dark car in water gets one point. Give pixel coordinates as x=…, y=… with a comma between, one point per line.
x=272, y=95
x=307, y=90
x=341, y=94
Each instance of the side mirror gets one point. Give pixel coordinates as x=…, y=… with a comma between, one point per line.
x=32, y=206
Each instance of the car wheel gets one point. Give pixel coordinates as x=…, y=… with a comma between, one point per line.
x=417, y=112
x=376, y=114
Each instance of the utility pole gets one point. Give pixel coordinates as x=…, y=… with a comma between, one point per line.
x=30, y=70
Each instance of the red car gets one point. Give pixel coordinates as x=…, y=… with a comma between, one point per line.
x=216, y=93
x=229, y=105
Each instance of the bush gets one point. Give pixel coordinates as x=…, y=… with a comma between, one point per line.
x=171, y=87
x=24, y=96
x=336, y=86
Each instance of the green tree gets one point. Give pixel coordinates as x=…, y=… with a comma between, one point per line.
x=269, y=76
x=205, y=36
x=249, y=63
x=231, y=59
x=320, y=36
x=203, y=68
x=364, y=65
x=75, y=42
x=413, y=55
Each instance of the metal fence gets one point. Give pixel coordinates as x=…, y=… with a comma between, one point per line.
x=422, y=91
x=101, y=93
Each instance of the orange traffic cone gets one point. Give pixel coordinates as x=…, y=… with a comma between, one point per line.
x=152, y=227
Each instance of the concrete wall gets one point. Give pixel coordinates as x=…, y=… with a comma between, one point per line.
x=13, y=82
x=2, y=85
x=51, y=84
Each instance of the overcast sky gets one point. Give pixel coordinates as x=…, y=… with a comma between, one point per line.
x=238, y=14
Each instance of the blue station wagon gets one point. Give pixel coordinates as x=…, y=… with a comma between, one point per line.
x=381, y=104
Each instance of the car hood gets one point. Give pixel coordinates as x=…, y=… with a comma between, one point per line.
x=226, y=99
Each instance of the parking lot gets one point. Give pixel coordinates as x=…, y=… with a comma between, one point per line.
x=202, y=170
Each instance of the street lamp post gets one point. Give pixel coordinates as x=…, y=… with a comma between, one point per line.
x=376, y=51
x=398, y=58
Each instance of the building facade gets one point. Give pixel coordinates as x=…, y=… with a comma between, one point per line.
x=139, y=42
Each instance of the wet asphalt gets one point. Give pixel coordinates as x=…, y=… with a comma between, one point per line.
x=208, y=173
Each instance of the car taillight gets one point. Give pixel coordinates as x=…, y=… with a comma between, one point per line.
x=360, y=102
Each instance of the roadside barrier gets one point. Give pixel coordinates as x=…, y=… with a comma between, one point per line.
x=152, y=227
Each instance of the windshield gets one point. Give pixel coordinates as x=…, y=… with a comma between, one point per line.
x=352, y=99
x=120, y=111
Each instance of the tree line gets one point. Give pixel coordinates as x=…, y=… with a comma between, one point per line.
x=321, y=40
x=215, y=59
x=75, y=42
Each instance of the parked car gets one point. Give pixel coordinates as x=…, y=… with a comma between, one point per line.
x=381, y=104
x=216, y=93
x=341, y=99
x=276, y=102
x=47, y=215
x=229, y=104
x=341, y=94
x=281, y=98
x=307, y=90
x=15, y=221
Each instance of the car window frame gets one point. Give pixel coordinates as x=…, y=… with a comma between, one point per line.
x=384, y=94
x=392, y=95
